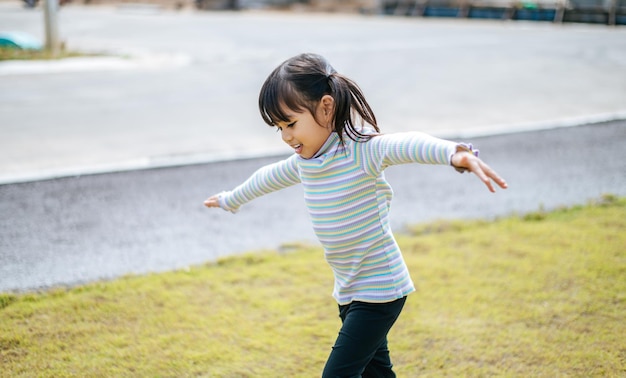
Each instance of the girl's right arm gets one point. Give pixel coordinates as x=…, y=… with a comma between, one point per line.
x=267, y=179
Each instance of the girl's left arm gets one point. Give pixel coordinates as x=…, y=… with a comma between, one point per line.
x=415, y=147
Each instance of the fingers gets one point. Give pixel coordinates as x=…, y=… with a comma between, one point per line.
x=212, y=202
x=487, y=175
x=475, y=165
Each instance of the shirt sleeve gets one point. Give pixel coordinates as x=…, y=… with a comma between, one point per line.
x=384, y=150
x=265, y=180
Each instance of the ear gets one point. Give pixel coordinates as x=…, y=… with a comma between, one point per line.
x=327, y=107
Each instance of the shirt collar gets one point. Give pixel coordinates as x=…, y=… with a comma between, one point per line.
x=329, y=145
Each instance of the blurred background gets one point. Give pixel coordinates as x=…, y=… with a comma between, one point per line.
x=145, y=68
x=108, y=149
x=594, y=11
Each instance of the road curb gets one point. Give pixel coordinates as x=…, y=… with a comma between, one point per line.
x=89, y=64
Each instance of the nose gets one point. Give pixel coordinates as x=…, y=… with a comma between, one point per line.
x=286, y=135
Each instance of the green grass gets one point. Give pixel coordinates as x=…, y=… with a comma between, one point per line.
x=12, y=53
x=540, y=295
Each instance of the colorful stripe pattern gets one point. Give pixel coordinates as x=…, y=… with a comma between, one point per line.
x=348, y=200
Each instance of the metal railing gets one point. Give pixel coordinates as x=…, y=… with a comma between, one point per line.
x=611, y=12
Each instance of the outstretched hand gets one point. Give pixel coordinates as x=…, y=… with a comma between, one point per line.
x=212, y=201
x=464, y=159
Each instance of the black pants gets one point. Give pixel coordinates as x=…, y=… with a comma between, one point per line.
x=361, y=347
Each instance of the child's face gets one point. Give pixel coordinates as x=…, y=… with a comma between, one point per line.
x=304, y=133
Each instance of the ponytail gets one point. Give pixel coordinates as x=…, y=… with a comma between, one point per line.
x=350, y=103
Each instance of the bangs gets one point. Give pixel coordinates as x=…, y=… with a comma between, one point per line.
x=276, y=98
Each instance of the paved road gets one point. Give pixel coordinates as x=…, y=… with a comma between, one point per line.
x=79, y=229
x=186, y=92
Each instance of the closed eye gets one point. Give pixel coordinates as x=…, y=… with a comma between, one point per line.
x=289, y=125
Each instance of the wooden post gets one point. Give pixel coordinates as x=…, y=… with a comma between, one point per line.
x=52, y=27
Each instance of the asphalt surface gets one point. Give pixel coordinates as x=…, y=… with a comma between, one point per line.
x=168, y=116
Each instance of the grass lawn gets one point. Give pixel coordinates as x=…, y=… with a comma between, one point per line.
x=12, y=53
x=540, y=295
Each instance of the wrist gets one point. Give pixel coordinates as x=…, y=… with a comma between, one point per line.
x=456, y=160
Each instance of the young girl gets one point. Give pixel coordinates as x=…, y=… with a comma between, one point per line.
x=339, y=159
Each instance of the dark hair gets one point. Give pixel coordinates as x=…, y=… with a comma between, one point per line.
x=300, y=82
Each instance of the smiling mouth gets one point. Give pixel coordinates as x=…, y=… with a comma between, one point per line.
x=297, y=148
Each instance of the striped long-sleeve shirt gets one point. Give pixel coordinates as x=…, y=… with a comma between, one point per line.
x=348, y=200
